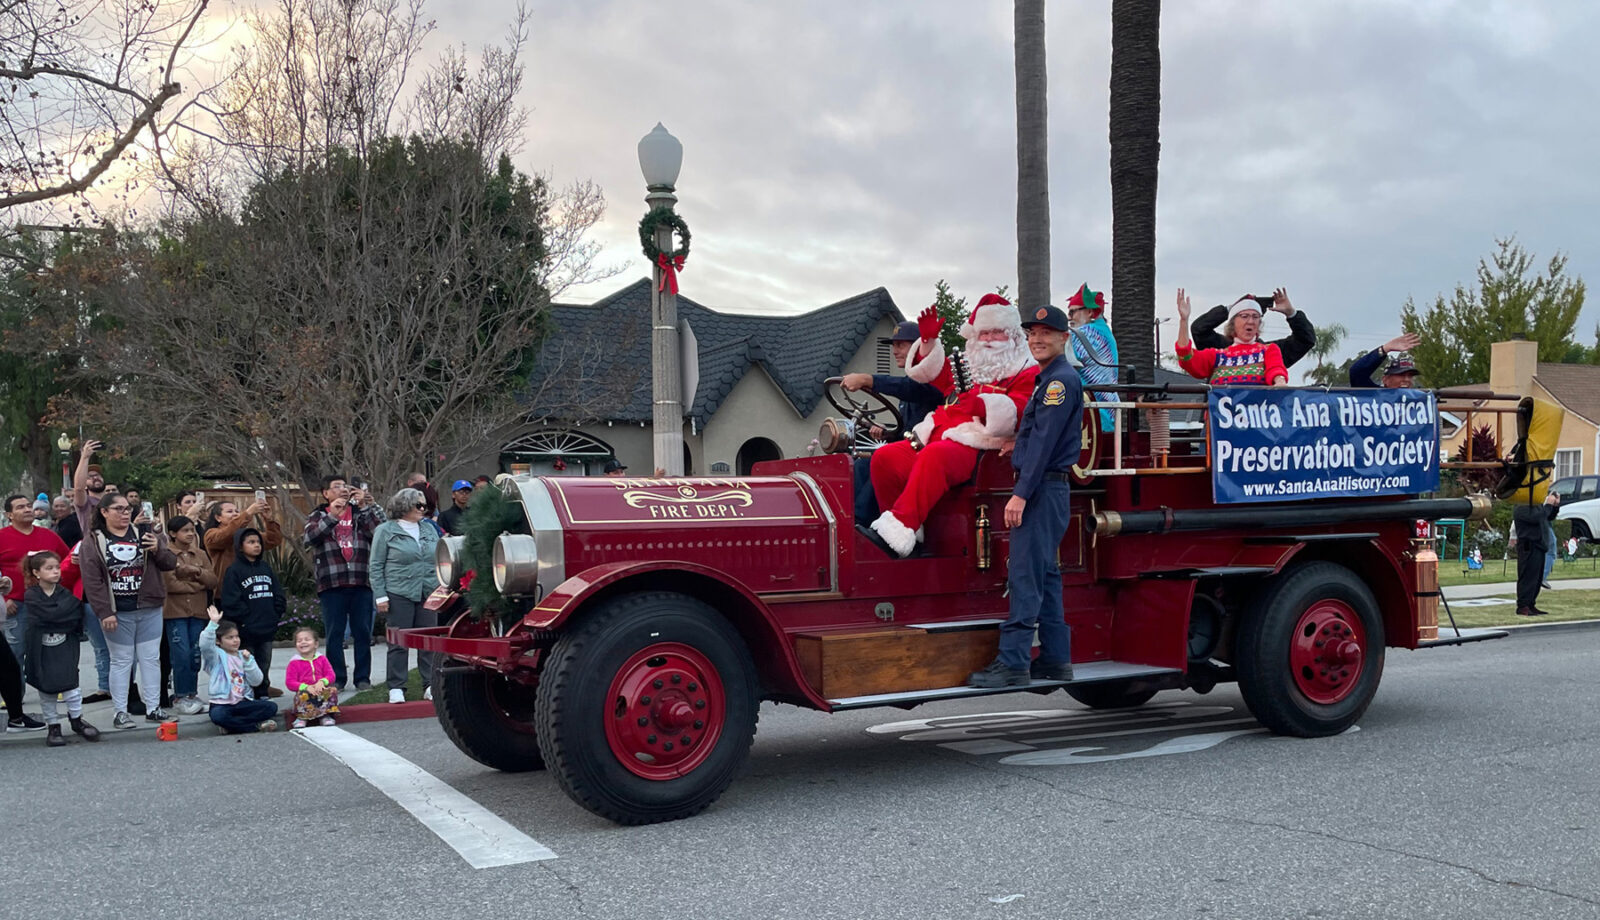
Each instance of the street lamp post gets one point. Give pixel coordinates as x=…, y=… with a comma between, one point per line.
x=64, y=444
x=660, y=159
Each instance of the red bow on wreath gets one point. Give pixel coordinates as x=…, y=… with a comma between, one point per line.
x=670, y=266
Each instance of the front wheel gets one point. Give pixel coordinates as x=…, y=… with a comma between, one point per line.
x=488, y=717
x=647, y=709
x=1310, y=654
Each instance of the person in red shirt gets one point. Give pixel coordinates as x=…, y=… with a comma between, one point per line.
x=16, y=542
x=1246, y=362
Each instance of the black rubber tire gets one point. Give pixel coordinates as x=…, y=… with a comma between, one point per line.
x=572, y=701
x=488, y=717
x=1112, y=694
x=1263, y=643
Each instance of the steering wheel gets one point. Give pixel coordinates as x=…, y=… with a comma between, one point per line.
x=866, y=408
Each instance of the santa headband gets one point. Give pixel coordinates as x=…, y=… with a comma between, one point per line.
x=1244, y=304
x=1094, y=301
x=993, y=312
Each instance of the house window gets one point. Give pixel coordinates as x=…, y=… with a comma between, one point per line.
x=885, y=363
x=1569, y=462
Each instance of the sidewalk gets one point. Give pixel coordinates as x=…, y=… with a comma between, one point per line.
x=1492, y=589
x=200, y=725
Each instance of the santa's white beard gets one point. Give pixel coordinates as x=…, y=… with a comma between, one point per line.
x=992, y=361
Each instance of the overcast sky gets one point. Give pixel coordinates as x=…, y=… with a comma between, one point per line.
x=1356, y=152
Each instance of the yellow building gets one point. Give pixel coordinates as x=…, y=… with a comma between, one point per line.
x=1514, y=368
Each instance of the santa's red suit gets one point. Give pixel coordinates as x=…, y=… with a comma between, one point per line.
x=908, y=481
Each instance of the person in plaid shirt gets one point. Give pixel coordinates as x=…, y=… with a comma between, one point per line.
x=339, y=535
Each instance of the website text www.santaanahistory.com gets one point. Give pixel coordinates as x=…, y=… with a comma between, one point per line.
x=1327, y=485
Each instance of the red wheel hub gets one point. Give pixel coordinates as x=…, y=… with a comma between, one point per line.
x=1328, y=651
x=666, y=711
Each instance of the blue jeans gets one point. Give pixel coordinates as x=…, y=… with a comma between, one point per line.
x=352, y=607
x=1550, y=552
x=183, y=642
x=243, y=717
x=866, y=499
x=1034, y=579
x=102, y=652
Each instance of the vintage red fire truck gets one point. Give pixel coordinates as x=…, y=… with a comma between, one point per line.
x=656, y=615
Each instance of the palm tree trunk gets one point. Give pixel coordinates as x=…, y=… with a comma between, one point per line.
x=1135, y=155
x=1033, y=173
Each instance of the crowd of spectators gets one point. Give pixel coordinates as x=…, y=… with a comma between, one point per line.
x=164, y=597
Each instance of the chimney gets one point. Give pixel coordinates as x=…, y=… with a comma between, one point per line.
x=1512, y=365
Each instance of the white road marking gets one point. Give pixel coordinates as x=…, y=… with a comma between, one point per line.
x=1184, y=745
x=481, y=837
x=1483, y=601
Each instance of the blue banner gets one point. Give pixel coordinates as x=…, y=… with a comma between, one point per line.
x=1273, y=444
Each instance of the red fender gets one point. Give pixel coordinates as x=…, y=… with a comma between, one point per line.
x=780, y=670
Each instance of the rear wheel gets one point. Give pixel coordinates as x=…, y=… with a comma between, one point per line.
x=1113, y=694
x=1310, y=654
x=488, y=717
x=646, y=710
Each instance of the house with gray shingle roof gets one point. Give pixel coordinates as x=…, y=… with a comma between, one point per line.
x=1514, y=367
x=757, y=382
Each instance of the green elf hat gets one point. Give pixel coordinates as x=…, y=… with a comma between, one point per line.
x=1094, y=300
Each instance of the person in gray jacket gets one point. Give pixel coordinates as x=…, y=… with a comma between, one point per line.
x=403, y=576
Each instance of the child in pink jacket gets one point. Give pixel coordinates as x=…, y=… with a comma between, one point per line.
x=310, y=677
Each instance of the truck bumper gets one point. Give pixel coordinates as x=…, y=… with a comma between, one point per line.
x=499, y=653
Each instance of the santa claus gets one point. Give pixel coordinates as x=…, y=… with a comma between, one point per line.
x=910, y=476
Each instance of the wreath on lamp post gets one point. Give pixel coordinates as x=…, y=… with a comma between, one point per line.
x=671, y=262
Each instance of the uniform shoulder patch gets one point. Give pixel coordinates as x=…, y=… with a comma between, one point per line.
x=1055, y=394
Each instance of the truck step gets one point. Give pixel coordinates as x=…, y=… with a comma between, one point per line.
x=1086, y=673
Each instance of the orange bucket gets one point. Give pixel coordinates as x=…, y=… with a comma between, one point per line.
x=167, y=731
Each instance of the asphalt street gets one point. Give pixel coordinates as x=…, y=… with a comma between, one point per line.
x=1470, y=789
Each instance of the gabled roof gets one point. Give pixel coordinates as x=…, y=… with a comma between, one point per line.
x=1576, y=386
x=798, y=352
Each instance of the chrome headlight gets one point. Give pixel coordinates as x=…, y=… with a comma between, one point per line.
x=516, y=564
x=447, y=561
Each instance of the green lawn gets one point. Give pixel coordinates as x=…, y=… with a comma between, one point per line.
x=380, y=691
x=1561, y=605
x=1450, y=571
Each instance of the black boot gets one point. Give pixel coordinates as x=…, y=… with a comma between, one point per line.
x=998, y=675
x=80, y=727
x=53, y=736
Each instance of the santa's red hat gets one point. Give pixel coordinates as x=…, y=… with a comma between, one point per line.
x=993, y=312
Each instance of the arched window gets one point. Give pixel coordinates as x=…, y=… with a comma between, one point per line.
x=555, y=452
x=755, y=451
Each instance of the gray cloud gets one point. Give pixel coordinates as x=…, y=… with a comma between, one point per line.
x=1356, y=153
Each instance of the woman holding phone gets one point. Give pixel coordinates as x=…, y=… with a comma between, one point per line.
x=225, y=519
x=403, y=575
x=122, y=581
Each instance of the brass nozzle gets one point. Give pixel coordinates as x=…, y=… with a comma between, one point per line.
x=1107, y=523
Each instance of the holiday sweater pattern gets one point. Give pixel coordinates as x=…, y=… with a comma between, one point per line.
x=1240, y=364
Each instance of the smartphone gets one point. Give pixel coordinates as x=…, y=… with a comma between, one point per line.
x=261, y=496
x=200, y=500
x=148, y=510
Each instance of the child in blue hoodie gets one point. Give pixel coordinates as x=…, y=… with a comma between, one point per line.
x=233, y=674
x=253, y=599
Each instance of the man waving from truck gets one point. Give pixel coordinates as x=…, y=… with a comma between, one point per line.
x=1047, y=446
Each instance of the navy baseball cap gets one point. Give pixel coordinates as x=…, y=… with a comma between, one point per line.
x=906, y=332
x=461, y=484
x=1051, y=316
x=613, y=465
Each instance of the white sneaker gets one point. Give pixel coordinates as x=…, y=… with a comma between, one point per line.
x=397, y=696
x=427, y=694
x=188, y=706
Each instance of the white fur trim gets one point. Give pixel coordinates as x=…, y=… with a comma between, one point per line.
x=900, y=538
x=924, y=429
x=974, y=436
x=1000, y=414
x=996, y=316
x=925, y=368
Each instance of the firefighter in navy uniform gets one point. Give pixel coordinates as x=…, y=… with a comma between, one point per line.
x=1047, y=446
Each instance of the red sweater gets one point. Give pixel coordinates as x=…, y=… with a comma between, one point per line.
x=1240, y=364
x=15, y=547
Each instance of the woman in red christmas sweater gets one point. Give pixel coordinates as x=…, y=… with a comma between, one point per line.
x=1247, y=362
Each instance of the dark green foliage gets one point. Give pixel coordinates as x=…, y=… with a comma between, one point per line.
x=490, y=514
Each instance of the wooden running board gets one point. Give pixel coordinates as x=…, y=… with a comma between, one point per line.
x=1087, y=672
